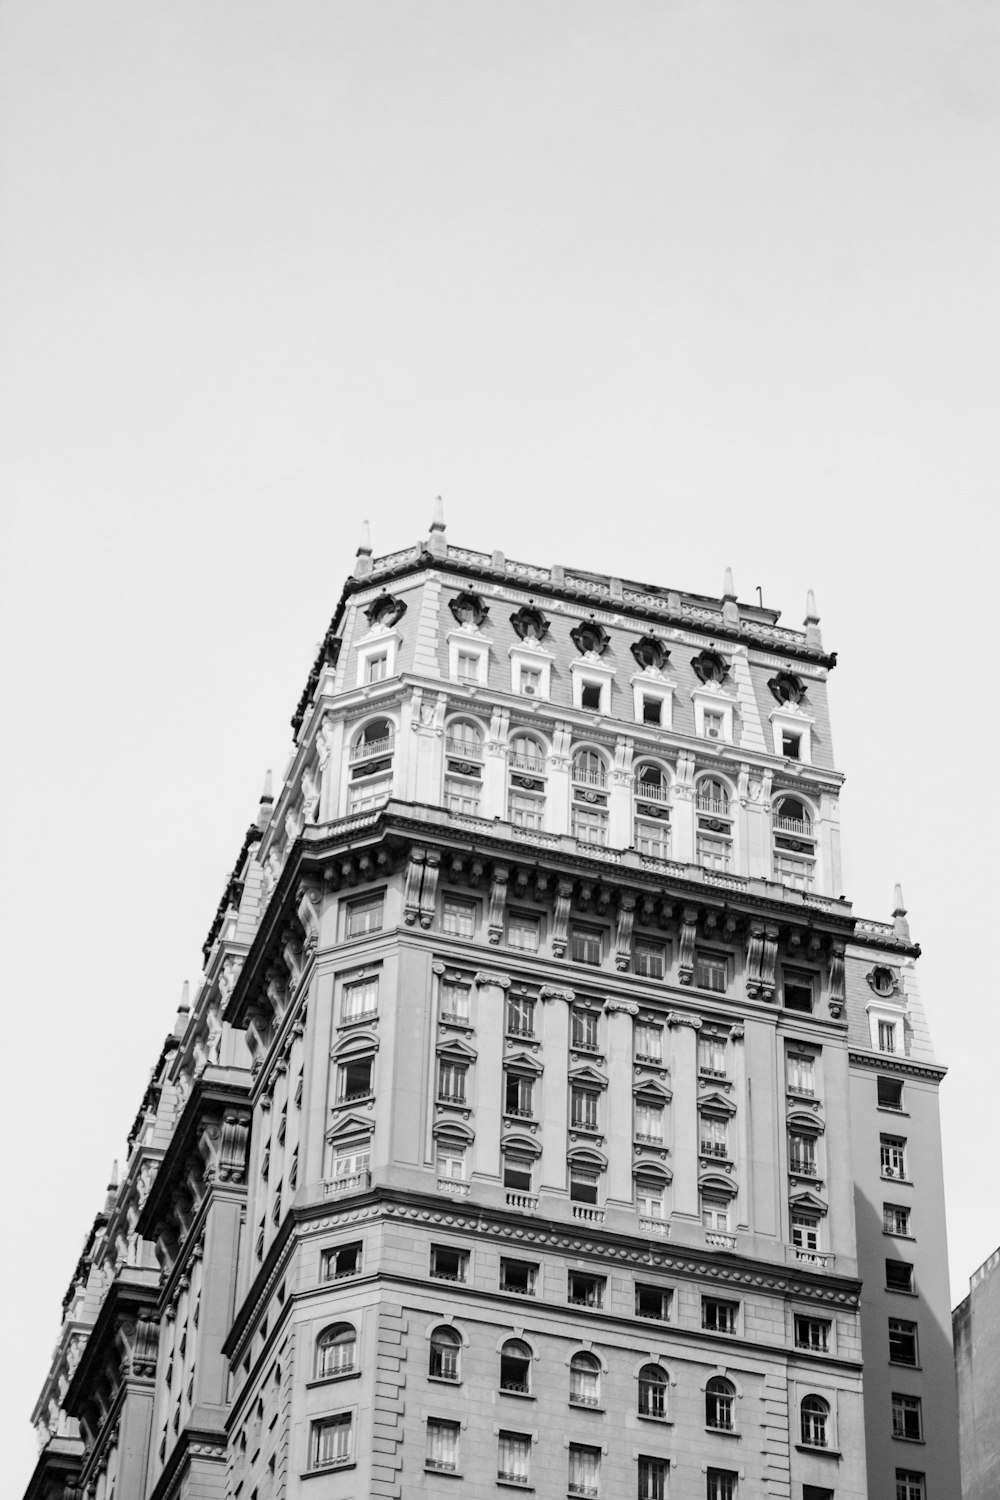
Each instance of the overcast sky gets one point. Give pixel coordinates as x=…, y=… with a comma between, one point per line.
x=650, y=288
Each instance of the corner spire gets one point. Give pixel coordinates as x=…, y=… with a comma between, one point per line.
x=730, y=610
x=728, y=586
x=899, y=922
x=436, y=544
x=812, y=618
x=266, y=803
x=437, y=524
x=363, y=561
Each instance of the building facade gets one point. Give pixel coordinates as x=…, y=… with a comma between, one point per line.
x=544, y=1118
x=976, y=1326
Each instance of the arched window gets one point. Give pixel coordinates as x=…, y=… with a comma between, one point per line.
x=815, y=1420
x=589, y=810
x=585, y=1380
x=720, y=1396
x=713, y=796
x=336, y=1350
x=794, y=843
x=463, y=777
x=444, y=1355
x=371, y=766
x=714, y=832
x=589, y=768
x=515, y=1367
x=651, y=787
x=526, y=790
x=652, y=1391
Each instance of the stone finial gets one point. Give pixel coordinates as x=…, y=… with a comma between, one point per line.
x=436, y=544
x=185, y=1005
x=812, y=618
x=899, y=922
x=437, y=524
x=113, y=1179
x=728, y=586
x=266, y=803
x=363, y=561
x=730, y=611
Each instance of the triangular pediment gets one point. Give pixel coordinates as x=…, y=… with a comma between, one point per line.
x=351, y=1125
x=807, y=1200
x=454, y=1046
x=714, y=1102
x=523, y=1062
x=587, y=1073
x=652, y=1088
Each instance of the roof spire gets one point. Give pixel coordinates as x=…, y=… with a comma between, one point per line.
x=437, y=524
x=436, y=544
x=899, y=921
x=730, y=609
x=363, y=561
x=113, y=1179
x=728, y=587
x=811, y=622
x=266, y=803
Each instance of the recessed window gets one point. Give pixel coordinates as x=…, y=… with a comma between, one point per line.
x=589, y=821
x=907, y=1417
x=800, y=1072
x=652, y=1391
x=895, y=1219
x=902, y=1342
x=585, y=945
x=331, y=1442
x=719, y=1316
x=887, y=1031
x=650, y=1198
x=451, y=1160
x=455, y=1001
x=517, y=1172
x=513, y=1457
x=584, y=1290
x=713, y=1131
x=462, y=794
x=797, y=990
x=812, y=1334
x=365, y=915
x=652, y=1478
x=711, y=972
x=720, y=1484
x=647, y=1041
x=336, y=1348
x=518, y=1088
x=584, y=1470
x=520, y=1016
x=442, y=1445
x=652, y=710
x=458, y=918
x=802, y=1154
x=523, y=932
x=712, y=1056
x=518, y=1276
x=805, y=1231
x=349, y=1167
x=715, y=1212
x=652, y=1302
x=649, y=959
x=515, y=1367
x=445, y=1348
x=892, y=1155
x=648, y=1121
x=583, y=1108
x=713, y=724
x=377, y=667
x=359, y=1001
x=720, y=1404
x=890, y=1093
x=341, y=1261
x=585, y=1380
x=652, y=834
x=451, y=1081
x=354, y=1078
x=584, y=1185
x=882, y=980
x=910, y=1485
x=816, y=1492
x=590, y=695
x=583, y=1030
x=898, y=1276
x=814, y=1417
x=467, y=666
x=449, y=1264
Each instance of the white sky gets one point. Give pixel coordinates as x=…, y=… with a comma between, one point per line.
x=649, y=288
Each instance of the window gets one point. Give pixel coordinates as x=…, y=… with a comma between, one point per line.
x=354, y=1078
x=719, y=1316
x=451, y=1081
x=445, y=1348
x=892, y=1155
x=650, y=1198
x=648, y=1121
x=720, y=1398
x=649, y=959
x=517, y=1094
x=377, y=667
x=907, y=1417
x=335, y=1351
x=585, y=945
x=368, y=792
x=590, y=695
x=647, y=1042
x=515, y=1367
x=359, y=1001
x=589, y=811
x=455, y=1001
x=651, y=783
x=525, y=810
x=342, y=1260
x=890, y=1093
x=517, y=1172
x=895, y=1219
x=711, y=972
x=584, y=1290
x=467, y=665
x=720, y=1484
x=805, y=1231
x=462, y=794
x=526, y=753
x=584, y=1470
x=585, y=1380
x=882, y=980
x=713, y=724
x=652, y=710
x=583, y=1030
x=584, y=1183
x=458, y=918
x=712, y=1056
x=652, y=837
x=449, y=1264
x=802, y=1154
x=464, y=741
x=814, y=1415
x=652, y=1479
x=350, y=1164
x=902, y=1342
x=898, y=1276
x=713, y=796
x=887, y=1036
x=530, y=681
x=451, y=1160
x=331, y=1442
x=910, y=1485
x=523, y=932
x=791, y=744
x=797, y=990
x=714, y=1136
x=520, y=1015
x=513, y=1453
x=652, y=1391
x=589, y=768
x=812, y=1334
x=801, y=1075
x=518, y=1276
x=816, y=1492
x=714, y=852
x=583, y=1109
x=652, y=1302
x=365, y=916
x=715, y=1212
x=442, y=1444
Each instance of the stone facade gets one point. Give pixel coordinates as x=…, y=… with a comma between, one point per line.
x=975, y=1323
x=525, y=1130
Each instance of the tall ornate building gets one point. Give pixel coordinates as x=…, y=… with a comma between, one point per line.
x=544, y=1120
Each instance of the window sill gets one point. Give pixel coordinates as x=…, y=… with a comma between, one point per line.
x=904, y=1364
x=444, y=1473
x=815, y=1448
x=726, y=1432
x=586, y=1406
x=892, y=1177
x=898, y=1437
x=901, y=1291
x=895, y=1234
x=442, y=1380
x=328, y=1469
x=515, y=1484
x=517, y=1395
x=890, y=1109
x=647, y=1416
x=365, y=1020
x=333, y=1379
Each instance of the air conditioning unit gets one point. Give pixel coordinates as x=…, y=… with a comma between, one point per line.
x=713, y=734
x=528, y=690
x=889, y=1172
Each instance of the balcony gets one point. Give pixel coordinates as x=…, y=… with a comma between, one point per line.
x=654, y=1226
x=648, y=791
x=533, y=764
x=793, y=825
x=588, y=1214
x=648, y=1139
x=821, y=1260
x=525, y=1203
x=464, y=749
x=589, y=778
x=354, y=1182
x=713, y=805
x=454, y=1186
x=372, y=749
x=799, y=1168
x=720, y=1240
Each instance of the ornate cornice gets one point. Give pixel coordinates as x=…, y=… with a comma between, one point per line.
x=892, y=1062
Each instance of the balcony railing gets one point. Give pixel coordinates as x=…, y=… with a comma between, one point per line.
x=714, y=1148
x=582, y=1398
x=589, y=778
x=525, y=1202
x=794, y=825
x=654, y=1226
x=455, y=1186
x=371, y=749
x=591, y=1215
x=648, y=791
x=824, y=1259
x=648, y=1138
x=715, y=805
x=532, y=763
x=464, y=749
x=720, y=1240
x=802, y=1168
x=354, y=1182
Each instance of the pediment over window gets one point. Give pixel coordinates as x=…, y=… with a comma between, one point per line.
x=590, y=638
x=469, y=608
x=521, y=1143
x=804, y=1199
x=586, y=1073
x=529, y=623
x=805, y=1122
x=351, y=1125
x=357, y=1043
x=523, y=1062
x=457, y=1047
x=652, y=1088
x=710, y=667
x=587, y=1156
x=714, y=1102
x=717, y=1182
x=652, y=1170
x=453, y=1130
x=385, y=611
x=650, y=653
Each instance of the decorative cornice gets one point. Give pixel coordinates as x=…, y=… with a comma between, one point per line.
x=892, y=1062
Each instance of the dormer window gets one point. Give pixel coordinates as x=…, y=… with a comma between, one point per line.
x=709, y=666
x=589, y=638
x=385, y=611
x=791, y=745
x=787, y=688
x=468, y=609
x=650, y=653
x=529, y=623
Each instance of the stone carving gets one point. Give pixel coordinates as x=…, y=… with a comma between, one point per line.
x=685, y=952
x=623, y=933
x=498, y=902
x=560, y=919
x=678, y=1018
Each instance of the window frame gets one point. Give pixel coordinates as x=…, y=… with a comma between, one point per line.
x=812, y=1334
x=720, y=1315
x=438, y=1256
x=373, y=901
x=902, y=1406
x=442, y=1426
x=903, y=1337
x=320, y=1427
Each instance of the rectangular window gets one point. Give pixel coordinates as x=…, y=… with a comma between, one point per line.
x=458, y=918
x=647, y=1042
x=590, y=695
x=530, y=681
x=451, y=1081
x=365, y=916
x=652, y=836
x=589, y=824
x=455, y=1001
x=583, y=1109
x=523, y=932
x=359, y=1001
x=513, y=1454
x=442, y=1444
x=907, y=1417
x=648, y=1121
x=354, y=1078
x=584, y=1290
x=801, y=1075
x=890, y=1093
x=713, y=724
x=467, y=666
x=805, y=1231
x=517, y=1172
x=331, y=1442
x=797, y=990
x=449, y=1264
x=583, y=1185
x=583, y=1030
x=650, y=1199
x=791, y=744
x=517, y=1088
x=711, y=972
x=652, y=710
x=887, y=1036
x=898, y=1276
x=714, y=1136
x=719, y=1316
x=802, y=1154
x=910, y=1485
x=451, y=1161
x=712, y=1056
x=341, y=1261
x=368, y=793
x=812, y=1334
x=584, y=1470
x=713, y=853
x=377, y=667
x=652, y=1479
x=649, y=959
x=816, y=1492
x=526, y=811
x=895, y=1219
x=461, y=795
x=892, y=1154
x=518, y=1276
x=902, y=1342
x=720, y=1484
x=349, y=1166
x=520, y=1016
x=652, y=1302
x=585, y=945
x=715, y=1212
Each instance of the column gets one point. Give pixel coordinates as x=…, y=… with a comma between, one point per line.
x=684, y=1113
x=554, y=1028
x=491, y=990
x=619, y=1014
